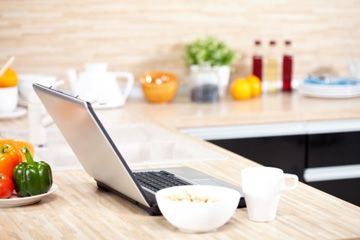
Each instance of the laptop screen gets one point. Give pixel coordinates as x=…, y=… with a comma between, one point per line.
x=90, y=142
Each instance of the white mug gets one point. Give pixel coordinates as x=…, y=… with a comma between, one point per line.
x=8, y=99
x=262, y=187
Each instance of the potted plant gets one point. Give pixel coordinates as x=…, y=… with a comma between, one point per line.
x=209, y=60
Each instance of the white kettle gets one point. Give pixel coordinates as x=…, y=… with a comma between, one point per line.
x=99, y=86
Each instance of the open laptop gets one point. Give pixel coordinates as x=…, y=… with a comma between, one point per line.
x=102, y=160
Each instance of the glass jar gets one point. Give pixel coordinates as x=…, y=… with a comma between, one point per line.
x=204, y=84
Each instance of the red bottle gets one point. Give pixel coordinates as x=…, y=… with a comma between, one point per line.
x=287, y=68
x=257, y=60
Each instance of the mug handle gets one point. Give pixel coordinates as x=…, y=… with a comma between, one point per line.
x=130, y=82
x=295, y=181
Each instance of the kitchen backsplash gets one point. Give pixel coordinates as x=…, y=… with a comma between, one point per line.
x=139, y=35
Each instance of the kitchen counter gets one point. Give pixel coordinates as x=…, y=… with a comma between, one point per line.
x=272, y=108
x=268, y=109
x=270, y=115
x=79, y=210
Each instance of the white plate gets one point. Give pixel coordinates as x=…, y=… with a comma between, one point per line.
x=325, y=95
x=330, y=90
x=15, y=201
x=19, y=112
x=325, y=91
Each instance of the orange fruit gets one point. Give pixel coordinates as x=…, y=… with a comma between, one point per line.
x=240, y=89
x=18, y=145
x=9, y=78
x=255, y=85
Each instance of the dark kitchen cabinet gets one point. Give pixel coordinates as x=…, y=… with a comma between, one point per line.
x=285, y=152
x=296, y=153
x=333, y=149
x=347, y=189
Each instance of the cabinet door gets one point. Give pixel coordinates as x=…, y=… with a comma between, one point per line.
x=285, y=152
x=346, y=189
x=333, y=149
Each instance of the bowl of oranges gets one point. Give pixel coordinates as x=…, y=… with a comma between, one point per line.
x=245, y=88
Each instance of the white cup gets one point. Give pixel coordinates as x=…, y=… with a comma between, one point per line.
x=8, y=99
x=27, y=80
x=262, y=187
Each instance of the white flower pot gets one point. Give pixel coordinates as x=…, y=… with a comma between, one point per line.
x=218, y=75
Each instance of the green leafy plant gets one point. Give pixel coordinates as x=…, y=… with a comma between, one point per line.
x=209, y=51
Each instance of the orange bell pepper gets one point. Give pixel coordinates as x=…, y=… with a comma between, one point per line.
x=10, y=157
x=18, y=144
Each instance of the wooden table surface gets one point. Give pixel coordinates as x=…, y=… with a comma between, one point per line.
x=78, y=210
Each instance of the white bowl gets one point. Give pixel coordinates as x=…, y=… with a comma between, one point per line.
x=194, y=216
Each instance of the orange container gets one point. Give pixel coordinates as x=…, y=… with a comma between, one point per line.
x=159, y=87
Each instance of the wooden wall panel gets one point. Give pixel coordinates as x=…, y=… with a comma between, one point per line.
x=138, y=35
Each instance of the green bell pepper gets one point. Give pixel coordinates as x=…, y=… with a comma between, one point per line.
x=30, y=177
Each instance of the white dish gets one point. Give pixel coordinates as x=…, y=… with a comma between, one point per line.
x=329, y=91
x=19, y=112
x=193, y=217
x=329, y=95
x=15, y=201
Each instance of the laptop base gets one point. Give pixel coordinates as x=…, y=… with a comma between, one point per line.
x=153, y=211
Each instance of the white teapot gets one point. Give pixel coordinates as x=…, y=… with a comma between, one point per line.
x=99, y=86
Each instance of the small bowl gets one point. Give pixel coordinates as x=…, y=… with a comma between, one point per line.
x=196, y=217
x=159, y=87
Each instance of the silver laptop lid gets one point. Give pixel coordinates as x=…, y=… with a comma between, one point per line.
x=90, y=142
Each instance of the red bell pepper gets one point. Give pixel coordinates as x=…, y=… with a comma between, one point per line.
x=6, y=186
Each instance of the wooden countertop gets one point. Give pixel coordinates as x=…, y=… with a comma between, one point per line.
x=79, y=210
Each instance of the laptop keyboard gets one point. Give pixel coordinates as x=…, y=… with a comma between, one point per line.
x=155, y=181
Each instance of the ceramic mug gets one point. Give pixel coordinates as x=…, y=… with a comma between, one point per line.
x=262, y=187
x=8, y=99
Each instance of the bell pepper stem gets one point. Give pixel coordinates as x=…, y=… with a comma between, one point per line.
x=4, y=148
x=27, y=154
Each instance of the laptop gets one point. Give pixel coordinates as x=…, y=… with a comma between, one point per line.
x=101, y=159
